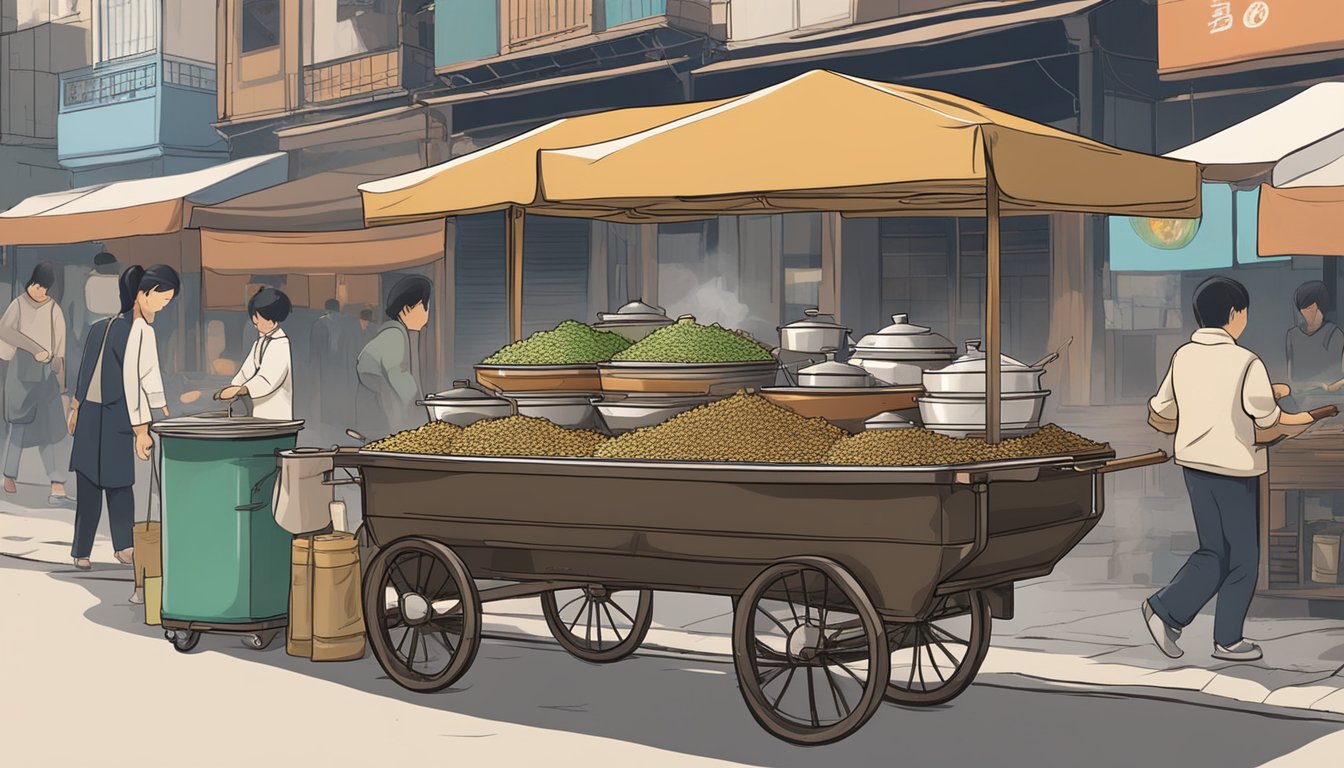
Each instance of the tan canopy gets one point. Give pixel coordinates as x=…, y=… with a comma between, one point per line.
x=345, y=252
x=503, y=174
x=829, y=142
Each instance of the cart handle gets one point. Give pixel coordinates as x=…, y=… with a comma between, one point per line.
x=1129, y=462
x=329, y=478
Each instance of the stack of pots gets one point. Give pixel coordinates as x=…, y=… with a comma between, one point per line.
x=621, y=413
x=899, y=354
x=955, y=405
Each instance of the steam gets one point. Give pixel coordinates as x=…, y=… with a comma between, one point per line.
x=705, y=293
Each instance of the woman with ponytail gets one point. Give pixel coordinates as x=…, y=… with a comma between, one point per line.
x=119, y=386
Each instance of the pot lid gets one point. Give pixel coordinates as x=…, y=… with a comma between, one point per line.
x=833, y=367
x=888, y=420
x=463, y=393
x=219, y=425
x=635, y=311
x=904, y=336
x=814, y=319
x=974, y=361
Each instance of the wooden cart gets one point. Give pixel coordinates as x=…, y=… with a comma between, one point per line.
x=851, y=585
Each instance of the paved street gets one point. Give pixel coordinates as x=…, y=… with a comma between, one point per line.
x=75, y=652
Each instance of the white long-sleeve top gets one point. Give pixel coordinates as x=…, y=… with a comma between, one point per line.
x=268, y=375
x=140, y=373
x=1218, y=393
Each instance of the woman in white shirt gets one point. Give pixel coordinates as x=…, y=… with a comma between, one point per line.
x=118, y=388
x=267, y=374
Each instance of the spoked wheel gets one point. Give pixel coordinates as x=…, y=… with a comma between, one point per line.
x=933, y=661
x=183, y=640
x=801, y=681
x=424, y=615
x=598, y=624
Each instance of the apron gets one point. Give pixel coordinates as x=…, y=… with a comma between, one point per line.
x=104, y=449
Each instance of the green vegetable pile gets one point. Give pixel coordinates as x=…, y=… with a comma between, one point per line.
x=686, y=341
x=570, y=343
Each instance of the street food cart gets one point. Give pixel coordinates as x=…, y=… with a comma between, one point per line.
x=839, y=574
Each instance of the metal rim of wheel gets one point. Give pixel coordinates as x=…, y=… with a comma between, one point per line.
x=184, y=640
x=790, y=618
x=936, y=659
x=591, y=625
x=259, y=641
x=423, y=614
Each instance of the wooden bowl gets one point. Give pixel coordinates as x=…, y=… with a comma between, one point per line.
x=540, y=378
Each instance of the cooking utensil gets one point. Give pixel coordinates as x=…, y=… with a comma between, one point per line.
x=832, y=373
x=814, y=333
x=1053, y=356
x=634, y=320
x=539, y=378
x=631, y=413
x=684, y=379
x=572, y=410
x=465, y=405
x=966, y=375
x=888, y=420
x=958, y=415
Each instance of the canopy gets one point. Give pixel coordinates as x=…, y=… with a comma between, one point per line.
x=1302, y=213
x=328, y=200
x=880, y=149
x=503, y=174
x=156, y=206
x=344, y=252
x=1250, y=148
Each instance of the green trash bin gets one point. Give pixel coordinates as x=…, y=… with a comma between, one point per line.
x=225, y=560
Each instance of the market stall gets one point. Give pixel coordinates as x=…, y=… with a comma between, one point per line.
x=789, y=515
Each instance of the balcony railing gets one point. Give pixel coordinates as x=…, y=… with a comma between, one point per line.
x=407, y=67
x=92, y=89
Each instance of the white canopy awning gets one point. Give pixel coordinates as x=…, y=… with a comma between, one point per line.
x=1249, y=148
x=154, y=206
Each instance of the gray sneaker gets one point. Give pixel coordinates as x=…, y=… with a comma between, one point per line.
x=65, y=502
x=138, y=596
x=1242, y=650
x=1163, y=636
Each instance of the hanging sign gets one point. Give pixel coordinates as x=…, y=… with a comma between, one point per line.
x=1202, y=34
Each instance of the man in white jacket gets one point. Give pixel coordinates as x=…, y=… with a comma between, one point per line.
x=267, y=374
x=1218, y=393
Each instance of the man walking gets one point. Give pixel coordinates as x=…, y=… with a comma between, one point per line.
x=1217, y=394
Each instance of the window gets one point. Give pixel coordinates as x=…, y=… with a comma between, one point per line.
x=126, y=28
x=261, y=24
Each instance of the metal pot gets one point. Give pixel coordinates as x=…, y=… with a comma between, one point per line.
x=634, y=320
x=572, y=410
x=636, y=413
x=888, y=420
x=834, y=374
x=815, y=333
x=464, y=405
x=899, y=354
x=966, y=375
x=960, y=415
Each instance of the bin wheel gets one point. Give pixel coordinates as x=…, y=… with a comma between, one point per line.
x=598, y=624
x=423, y=614
x=183, y=640
x=934, y=660
x=260, y=641
x=801, y=682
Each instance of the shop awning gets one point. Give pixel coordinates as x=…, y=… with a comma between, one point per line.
x=914, y=29
x=884, y=149
x=1250, y=148
x=156, y=206
x=342, y=252
x=504, y=174
x=328, y=200
x=1302, y=213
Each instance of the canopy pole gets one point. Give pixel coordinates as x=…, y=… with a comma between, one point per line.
x=993, y=338
x=513, y=238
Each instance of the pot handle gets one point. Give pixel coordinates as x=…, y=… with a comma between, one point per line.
x=1053, y=356
x=1129, y=462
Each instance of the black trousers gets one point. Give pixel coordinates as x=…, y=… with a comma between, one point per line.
x=89, y=509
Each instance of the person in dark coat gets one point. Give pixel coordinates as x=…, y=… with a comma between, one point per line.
x=105, y=444
x=331, y=356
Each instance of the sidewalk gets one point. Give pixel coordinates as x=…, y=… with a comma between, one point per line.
x=1067, y=634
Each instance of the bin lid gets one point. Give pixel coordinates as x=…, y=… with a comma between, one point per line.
x=219, y=425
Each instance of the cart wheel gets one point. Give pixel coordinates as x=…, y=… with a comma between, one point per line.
x=597, y=624
x=934, y=660
x=260, y=641
x=799, y=683
x=183, y=640
x=423, y=613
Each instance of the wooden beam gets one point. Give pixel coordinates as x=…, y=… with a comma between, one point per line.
x=993, y=298
x=513, y=238
x=648, y=263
